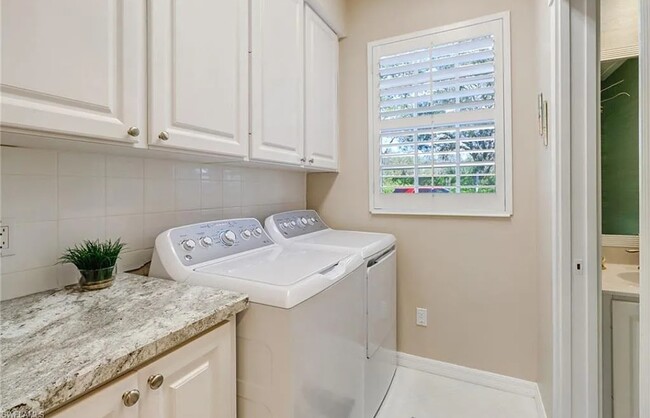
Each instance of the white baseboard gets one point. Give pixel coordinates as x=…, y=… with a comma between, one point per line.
x=474, y=376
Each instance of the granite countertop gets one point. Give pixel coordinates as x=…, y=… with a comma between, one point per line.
x=621, y=279
x=59, y=344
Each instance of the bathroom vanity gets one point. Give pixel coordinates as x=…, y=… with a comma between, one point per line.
x=620, y=284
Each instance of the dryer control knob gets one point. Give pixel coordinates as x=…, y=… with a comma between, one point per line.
x=228, y=238
x=246, y=234
x=303, y=220
x=257, y=232
x=292, y=224
x=188, y=244
x=311, y=221
x=206, y=241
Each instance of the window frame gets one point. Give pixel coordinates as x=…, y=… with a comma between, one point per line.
x=435, y=204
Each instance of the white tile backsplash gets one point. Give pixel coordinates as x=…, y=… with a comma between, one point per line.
x=81, y=164
x=159, y=195
x=65, y=197
x=124, y=196
x=29, y=198
x=81, y=197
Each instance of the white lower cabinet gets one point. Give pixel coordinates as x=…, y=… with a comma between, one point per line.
x=105, y=402
x=625, y=358
x=196, y=380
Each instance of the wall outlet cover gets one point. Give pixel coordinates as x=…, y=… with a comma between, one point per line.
x=421, y=317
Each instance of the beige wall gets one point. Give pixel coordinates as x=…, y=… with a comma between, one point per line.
x=477, y=277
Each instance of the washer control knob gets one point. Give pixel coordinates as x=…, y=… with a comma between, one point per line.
x=285, y=225
x=228, y=238
x=206, y=241
x=314, y=220
x=303, y=220
x=246, y=234
x=257, y=232
x=311, y=221
x=188, y=244
x=293, y=224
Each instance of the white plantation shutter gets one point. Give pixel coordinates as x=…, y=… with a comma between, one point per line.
x=439, y=111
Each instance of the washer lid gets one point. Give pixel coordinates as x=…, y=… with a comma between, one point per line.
x=276, y=266
x=366, y=243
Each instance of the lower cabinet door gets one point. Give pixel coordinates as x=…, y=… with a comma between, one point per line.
x=625, y=355
x=194, y=381
x=108, y=402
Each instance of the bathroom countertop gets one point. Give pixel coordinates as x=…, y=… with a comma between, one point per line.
x=621, y=279
x=60, y=344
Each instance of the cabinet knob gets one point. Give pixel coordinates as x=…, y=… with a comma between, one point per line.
x=133, y=131
x=163, y=135
x=311, y=161
x=155, y=381
x=303, y=160
x=131, y=397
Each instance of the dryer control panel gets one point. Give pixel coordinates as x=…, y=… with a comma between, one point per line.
x=198, y=243
x=298, y=222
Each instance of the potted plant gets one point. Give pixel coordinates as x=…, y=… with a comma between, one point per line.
x=95, y=261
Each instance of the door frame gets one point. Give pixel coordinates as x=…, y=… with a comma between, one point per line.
x=576, y=209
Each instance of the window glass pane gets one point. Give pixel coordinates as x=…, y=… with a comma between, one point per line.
x=454, y=77
x=458, y=158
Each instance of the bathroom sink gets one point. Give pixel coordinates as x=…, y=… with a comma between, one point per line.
x=630, y=276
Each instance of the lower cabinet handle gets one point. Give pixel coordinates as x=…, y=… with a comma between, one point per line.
x=155, y=381
x=311, y=161
x=131, y=397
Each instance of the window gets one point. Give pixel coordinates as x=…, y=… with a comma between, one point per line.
x=439, y=121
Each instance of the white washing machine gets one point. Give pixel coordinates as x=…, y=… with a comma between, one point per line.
x=305, y=229
x=300, y=345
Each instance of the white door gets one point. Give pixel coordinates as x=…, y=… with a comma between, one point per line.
x=75, y=68
x=106, y=402
x=625, y=355
x=277, y=75
x=194, y=381
x=321, y=92
x=198, y=69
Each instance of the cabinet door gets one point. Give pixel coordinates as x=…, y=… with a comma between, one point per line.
x=199, y=75
x=105, y=402
x=198, y=379
x=75, y=68
x=321, y=92
x=625, y=355
x=277, y=81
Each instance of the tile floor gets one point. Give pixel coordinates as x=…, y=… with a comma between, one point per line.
x=416, y=394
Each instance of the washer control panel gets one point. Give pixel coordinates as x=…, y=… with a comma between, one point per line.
x=207, y=241
x=298, y=222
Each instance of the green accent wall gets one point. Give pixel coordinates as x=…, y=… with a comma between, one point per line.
x=620, y=152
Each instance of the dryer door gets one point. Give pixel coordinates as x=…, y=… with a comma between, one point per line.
x=381, y=303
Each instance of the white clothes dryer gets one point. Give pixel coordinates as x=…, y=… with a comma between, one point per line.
x=306, y=230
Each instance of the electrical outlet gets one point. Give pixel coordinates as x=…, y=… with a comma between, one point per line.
x=421, y=317
x=7, y=227
x=4, y=237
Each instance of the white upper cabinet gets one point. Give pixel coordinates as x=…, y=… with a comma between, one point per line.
x=75, y=68
x=277, y=81
x=321, y=88
x=198, y=75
